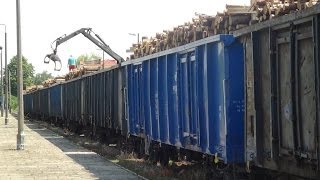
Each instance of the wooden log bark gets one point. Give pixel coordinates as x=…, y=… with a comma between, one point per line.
x=92, y=68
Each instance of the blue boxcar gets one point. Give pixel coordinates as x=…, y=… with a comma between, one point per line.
x=191, y=97
x=56, y=109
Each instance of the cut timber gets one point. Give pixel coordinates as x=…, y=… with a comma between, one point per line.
x=260, y=3
x=239, y=19
x=301, y=4
x=239, y=26
x=236, y=9
x=92, y=68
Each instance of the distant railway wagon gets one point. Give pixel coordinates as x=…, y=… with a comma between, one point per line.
x=96, y=100
x=250, y=99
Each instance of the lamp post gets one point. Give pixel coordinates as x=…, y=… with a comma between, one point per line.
x=20, y=135
x=132, y=34
x=6, y=74
x=102, y=58
x=9, y=84
x=1, y=81
x=1, y=76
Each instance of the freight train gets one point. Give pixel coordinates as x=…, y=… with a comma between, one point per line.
x=250, y=99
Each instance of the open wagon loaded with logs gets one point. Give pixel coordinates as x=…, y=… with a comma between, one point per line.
x=82, y=71
x=87, y=67
x=202, y=26
x=233, y=18
x=49, y=82
x=33, y=88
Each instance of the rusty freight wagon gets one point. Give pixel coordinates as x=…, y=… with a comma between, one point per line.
x=282, y=92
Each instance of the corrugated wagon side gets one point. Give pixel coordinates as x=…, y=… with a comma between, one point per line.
x=190, y=97
x=36, y=104
x=28, y=103
x=102, y=99
x=72, y=102
x=94, y=101
x=56, y=106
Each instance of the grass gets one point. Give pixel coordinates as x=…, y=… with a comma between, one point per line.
x=14, y=103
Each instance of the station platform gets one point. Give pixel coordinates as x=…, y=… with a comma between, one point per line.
x=48, y=155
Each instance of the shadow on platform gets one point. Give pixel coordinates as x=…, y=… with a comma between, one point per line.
x=91, y=161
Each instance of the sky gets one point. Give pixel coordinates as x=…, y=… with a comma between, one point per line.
x=42, y=21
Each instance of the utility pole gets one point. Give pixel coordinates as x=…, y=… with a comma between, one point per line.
x=1, y=76
x=132, y=34
x=102, y=59
x=1, y=68
x=6, y=119
x=20, y=135
x=9, y=84
x=6, y=74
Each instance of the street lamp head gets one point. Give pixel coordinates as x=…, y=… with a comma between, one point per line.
x=5, y=27
x=132, y=34
x=0, y=47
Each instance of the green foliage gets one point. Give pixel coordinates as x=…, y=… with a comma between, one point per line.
x=40, y=77
x=28, y=71
x=14, y=103
x=86, y=57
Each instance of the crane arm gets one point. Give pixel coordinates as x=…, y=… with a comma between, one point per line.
x=65, y=38
x=87, y=33
x=101, y=44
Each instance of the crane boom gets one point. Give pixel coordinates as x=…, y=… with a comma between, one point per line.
x=87, y=33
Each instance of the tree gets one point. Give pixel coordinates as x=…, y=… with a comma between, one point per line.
x=28, y=71
x=40, y=77
x=86, y=57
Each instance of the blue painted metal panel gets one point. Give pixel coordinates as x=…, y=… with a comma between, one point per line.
x=56, y=101
x=131, y=100
x=154, y=98
x=28, y=103
x=184, y=101
x=163, y=99
x=191, y=97
x=172, y=88
x=146, y=99
x=214, y=100
x=140, y=97
x=235, y=102
x=44, y=104
x=202, y=55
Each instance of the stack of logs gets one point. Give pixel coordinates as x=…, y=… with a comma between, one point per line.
x=33, y=88
x=49, y=82
x=268, y=9
x=84, y=68
x=233, y=18
x=73, y=74
x=202, y=26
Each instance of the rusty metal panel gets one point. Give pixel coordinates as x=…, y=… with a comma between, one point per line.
x=285, y=95
x=250, y=109
x=265, y=95
x=306, y=95
x=282, y=95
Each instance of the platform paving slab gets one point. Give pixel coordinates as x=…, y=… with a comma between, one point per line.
x=48, y=155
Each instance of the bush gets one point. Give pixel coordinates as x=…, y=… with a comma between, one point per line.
x=14, y=103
